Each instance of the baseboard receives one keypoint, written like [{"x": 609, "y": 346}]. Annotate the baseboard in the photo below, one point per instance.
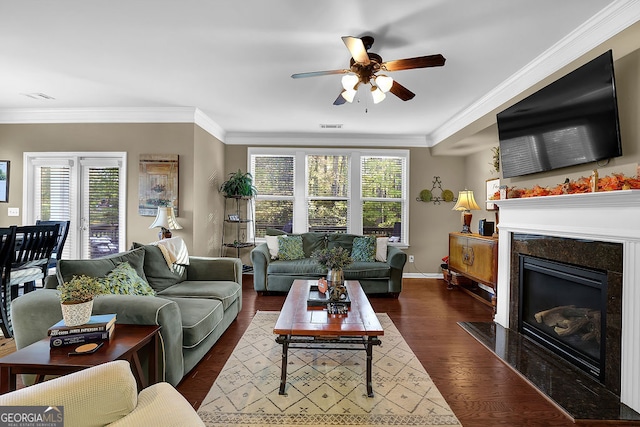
[{"x": 422, "y": 275}]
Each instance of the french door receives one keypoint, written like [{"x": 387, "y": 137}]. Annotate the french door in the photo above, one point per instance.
[{"x": 87, "y": 189}]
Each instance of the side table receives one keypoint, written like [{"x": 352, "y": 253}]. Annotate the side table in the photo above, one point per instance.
[{"x": 126, "y": 344}]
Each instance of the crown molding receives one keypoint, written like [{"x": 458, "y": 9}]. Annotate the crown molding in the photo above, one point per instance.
[
  {"x": 112, "y": 115},
  {"x": 330, "y": 140},
  {"x": 601, "y": 27}
]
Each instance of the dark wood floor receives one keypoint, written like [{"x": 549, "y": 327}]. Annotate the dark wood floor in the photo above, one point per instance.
[{"x": 481, "y": 390}]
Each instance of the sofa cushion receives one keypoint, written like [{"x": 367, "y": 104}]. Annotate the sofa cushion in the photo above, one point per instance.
[
  {"x": 344, "y": 240},
  {"x": 364, "y": 248},
  {"x": 381, "y": 249},
  {"x": 224, "y": 291},
  {"x": 290, "y": 247},
  {"x": 272, "y": 244},
  {"x": 124, "y": 280},
  {"x": 199, "y": 318},
  {"x": 100, "y": 267},
  {"x": 298, "y": 267},
  {"x": 313, "y": 241},
  {"x": 367, "y": 270},
  {"x": 156, "y": 270}
]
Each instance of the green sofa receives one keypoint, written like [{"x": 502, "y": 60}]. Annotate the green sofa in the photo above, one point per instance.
[
  {"x": 275, "y": 275},
  {"x": 193, "y": 307}
]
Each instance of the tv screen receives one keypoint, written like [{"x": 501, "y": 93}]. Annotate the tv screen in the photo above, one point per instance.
[{"x": 572, "y": 121}]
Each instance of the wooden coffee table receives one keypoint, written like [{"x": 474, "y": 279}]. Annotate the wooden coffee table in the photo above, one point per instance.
[
  {"x": 39, "y": 359},
  {"x": 302, "y": 327}
]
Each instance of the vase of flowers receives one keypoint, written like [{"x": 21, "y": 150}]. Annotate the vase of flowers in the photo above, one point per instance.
[
  {"x": 76, "y": 299},
  {"x": 334, "y": 260}
]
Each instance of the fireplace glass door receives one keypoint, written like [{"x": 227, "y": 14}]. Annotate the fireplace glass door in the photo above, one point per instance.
[{"x": 563, "y": 307}]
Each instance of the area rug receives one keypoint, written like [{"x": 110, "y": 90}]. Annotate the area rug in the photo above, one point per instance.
[{"x": 324, "y": 387}]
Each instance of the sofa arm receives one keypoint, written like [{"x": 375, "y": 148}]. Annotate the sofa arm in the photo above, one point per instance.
[
  {"x": 210, "y": 268},
  {"x": 95, "y": 396},
  {"x": 396, "y": 258},
  {"x": 33, "y": 313},
  {"x": 160, "y": 405},
  {"x": 260, "y": 258}
]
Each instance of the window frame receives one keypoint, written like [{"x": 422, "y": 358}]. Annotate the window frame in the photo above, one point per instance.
[{"x": 300, "y": 206}]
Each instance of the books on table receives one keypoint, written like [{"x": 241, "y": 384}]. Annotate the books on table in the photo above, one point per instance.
[{"x": 99, "y": 328}]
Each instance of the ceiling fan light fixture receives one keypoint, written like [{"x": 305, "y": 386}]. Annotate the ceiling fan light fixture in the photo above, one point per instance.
[
  {"x": 384, "y": 83},
  {"x": 349, "y": 81},
  {"x": 377, "y": 94}
]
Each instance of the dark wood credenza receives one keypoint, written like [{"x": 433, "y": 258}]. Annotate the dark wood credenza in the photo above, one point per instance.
[{"x": 474, "y": 257}]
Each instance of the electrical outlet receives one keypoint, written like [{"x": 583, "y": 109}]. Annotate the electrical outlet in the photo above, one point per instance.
[{"x": 411, "y": 258}]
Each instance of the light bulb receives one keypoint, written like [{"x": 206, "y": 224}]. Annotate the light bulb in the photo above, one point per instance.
[
  {"x": 349, "y": 81},
  {"x": 384, "y": 83}
]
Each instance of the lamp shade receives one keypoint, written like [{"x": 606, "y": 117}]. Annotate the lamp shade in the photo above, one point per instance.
[
  {"x": 165, "y": 218},
  {"x": 349, "y": 81},
  {"x": 466, "y": 201},
  {"x": 377, "y": 94},
  {"x": 384, "y": 83}
]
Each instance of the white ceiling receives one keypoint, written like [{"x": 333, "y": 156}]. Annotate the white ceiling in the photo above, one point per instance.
[{"x": 231, "y": 61}]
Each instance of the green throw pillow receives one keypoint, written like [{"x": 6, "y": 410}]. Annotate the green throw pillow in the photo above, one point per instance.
[
  {"x": 290, "y": 247},
  {"x": 364, "y": 249},
  {"x": 124, "y": 280}
]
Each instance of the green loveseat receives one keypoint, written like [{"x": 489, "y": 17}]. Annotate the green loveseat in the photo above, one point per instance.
[
  {"x": 193, "y": 308},
  {"x": 375, "y": 277}
]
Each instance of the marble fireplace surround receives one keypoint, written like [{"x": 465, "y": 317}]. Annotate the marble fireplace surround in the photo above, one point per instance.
[{"x": 605, "y": 216}]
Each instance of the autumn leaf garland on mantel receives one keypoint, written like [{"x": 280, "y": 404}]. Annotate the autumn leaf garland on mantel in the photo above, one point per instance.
[{"x": 582, "y": 185}]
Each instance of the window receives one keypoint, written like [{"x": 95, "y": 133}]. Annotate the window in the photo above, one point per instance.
[
  {"x": 84, "y": 188},
  {"x": 359, "y": 192}
]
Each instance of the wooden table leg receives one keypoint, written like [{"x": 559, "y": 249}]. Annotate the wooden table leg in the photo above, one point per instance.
[{"x": 7, "y": 380}]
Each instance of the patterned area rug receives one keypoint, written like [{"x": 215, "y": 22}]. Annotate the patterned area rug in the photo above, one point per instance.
[{"x": 324, "y": 387}]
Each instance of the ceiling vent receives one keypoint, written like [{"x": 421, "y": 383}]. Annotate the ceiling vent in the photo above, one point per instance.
[
  {"x": 39, "y": 96},
  {"x": 330, "y": 126}
]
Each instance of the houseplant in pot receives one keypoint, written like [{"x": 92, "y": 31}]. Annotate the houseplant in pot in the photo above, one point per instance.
[
  {"x": 334, "y": 260},
  {"x": 239, "y": 184},
  {"x": 76, "y": 298}
]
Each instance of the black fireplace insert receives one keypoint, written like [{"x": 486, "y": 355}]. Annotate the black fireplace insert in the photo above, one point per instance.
[{"x": 563, "y": 308}]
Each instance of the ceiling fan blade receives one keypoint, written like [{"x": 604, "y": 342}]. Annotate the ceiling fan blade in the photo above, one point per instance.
[
  {"x": 357, "y": 49},
  {"x": 418, "y": 62},
  {"x": 318, "y": 73},
  {"x": 339, "y": 100},
  {"x": 401, "y": 92}
]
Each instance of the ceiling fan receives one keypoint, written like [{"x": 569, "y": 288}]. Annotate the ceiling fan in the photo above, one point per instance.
[{"x": 365, "y": 65}]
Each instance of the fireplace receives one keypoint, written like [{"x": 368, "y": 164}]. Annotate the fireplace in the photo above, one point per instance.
[
  {"x": 597, "y": 229},
  {"x": 563, "y": 308}
]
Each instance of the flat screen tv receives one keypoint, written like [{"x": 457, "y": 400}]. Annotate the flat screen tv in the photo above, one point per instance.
[{"x": 572, "y": 121}]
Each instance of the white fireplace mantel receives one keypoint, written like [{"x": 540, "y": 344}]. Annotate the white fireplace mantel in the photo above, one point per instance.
[{"x": 612, "y": 216}]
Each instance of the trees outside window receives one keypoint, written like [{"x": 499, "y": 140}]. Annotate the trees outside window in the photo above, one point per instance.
[{"x": 359, "y": 192}]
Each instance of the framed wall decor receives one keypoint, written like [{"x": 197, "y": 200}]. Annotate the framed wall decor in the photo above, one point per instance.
[
  {"x": 4, "y": 180},
  {"x": 158, "y": 183},
  {"x": 493, "y": 186}
]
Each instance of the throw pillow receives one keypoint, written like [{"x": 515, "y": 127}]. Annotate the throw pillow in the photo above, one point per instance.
[
  {"x": 290, "y": 247},
  {"x": 272, "y": 243},
  {"x": 381, "y": 248},
  {"x": 364, "y": 249},
  {"x": 124, "y": 280}
]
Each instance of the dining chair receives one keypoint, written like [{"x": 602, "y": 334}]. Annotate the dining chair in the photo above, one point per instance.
[
  {"x": 56, "y": 254},
  {"x": 30, "y": 251},
  {"x": 7, "y": 248}
]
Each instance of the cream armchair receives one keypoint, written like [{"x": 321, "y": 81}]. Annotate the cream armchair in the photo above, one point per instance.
[{"x": 106, "y": 395}]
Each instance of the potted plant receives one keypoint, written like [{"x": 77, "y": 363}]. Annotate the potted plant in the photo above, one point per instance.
[
  {"x": 334, "y": 260},
  {"x": 239, "y": 184},
  {"x": 76, "y": 298}
]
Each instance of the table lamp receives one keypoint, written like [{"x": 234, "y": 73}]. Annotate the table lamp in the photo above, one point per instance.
[
  {"x": 166, "y": 221},
  {"x": 466, "y": 203}
]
